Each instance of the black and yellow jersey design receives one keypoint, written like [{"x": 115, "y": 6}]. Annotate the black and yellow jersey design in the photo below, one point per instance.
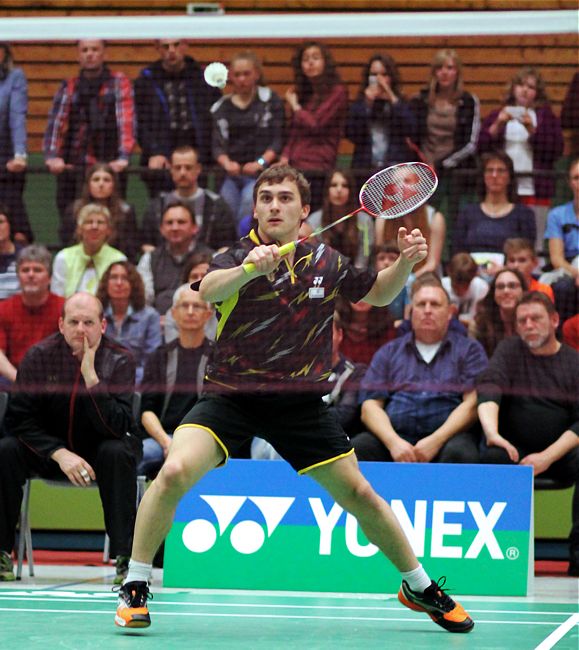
[{"x": 276, "y": 332}]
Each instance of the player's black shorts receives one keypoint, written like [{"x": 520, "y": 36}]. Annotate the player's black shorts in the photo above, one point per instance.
[{"x": 301, "y": 427}]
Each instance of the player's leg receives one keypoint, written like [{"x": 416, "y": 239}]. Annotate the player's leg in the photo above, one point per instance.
[
  {"x": 346, "y": 484},
  {"x": 193, "y": 452},
  {"x": 350, "y": 489}
]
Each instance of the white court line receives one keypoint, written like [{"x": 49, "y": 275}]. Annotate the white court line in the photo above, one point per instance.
[
  {"x": 265, "y": 616},
  {"x": 398, "y": 608},
  {"x": 107, "y": 600},
  {"x": 559, "y": 633}
]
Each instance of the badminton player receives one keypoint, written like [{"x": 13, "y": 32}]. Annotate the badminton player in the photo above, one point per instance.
[{"x": 273, "y": 355}]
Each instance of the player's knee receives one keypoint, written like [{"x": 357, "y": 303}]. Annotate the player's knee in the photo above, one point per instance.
[
  {"x": 173, "y": 476},
  {"x": 360, "y": 493}
]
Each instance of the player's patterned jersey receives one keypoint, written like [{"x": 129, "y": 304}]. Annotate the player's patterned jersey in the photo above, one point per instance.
[{"x": 275, "y": 333}]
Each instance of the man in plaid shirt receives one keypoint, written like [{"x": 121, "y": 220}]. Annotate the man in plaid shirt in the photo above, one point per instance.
[{"x": 92, "y": 119}]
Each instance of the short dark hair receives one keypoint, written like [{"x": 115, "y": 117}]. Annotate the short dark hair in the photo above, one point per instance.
[
  {"x": 518, "y": 244},
  {"x": 177, "y": 203},
  {"x": 429, "y": 279},
  {"x": 279, "y": 173},
  {"x": 462, "y": 268},
  {"x": 540, "y": 298}
]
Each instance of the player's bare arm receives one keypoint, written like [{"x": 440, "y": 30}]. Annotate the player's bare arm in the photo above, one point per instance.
[{"x": 390, "y": 282}]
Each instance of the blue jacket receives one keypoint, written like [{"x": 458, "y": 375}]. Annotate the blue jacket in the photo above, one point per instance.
[{"x": 13, "y": 109}]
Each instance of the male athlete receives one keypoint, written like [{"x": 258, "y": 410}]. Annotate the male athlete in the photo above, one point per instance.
[{"x": 272, "y": 359}]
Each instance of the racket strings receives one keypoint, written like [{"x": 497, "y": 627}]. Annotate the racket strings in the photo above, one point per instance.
[{"x": 398, "y": 190}]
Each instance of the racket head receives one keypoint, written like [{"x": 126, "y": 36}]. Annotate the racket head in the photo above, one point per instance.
[{"x": 397, "y": 190}]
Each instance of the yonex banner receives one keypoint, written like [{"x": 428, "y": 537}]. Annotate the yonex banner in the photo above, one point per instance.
[{"x": 258, "y": 525}]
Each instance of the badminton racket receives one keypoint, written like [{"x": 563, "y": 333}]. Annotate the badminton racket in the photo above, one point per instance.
[{"x": 389, "y": 194}]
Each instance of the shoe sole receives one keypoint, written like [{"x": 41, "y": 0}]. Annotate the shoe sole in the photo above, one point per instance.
[
  {"x": 467, "y": 626},
  {"x": 135, "y": 623}
]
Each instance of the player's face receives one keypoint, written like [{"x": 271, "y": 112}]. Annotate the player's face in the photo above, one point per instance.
[
  {"x": 524, "y": 261},
  {"x": 81, "y": 320},
  {"x": 172, "y": 53},
  {"x": 91, "y": 55},
  {"x": 177, "y": 226},
  {"x": 34, "y": 278},
  {"x": 508, "y": 290},
  {"x": 279, "y": 211},
  {"x": 244, "y": 76},
  {"x": 191, "y": 313},
  {"x": 535, "y": 325},
  {"x": 525, "y": 92},
  {"x": 119, "y": 285},
  {"x": 185, "y": 170},
  {"x": 496, "y": 176},
  {"x": 339, "y": 190},
  {"x": 447, "y": 74},
  {"x": 431, "y": 312},
  {"x": 313, "y": 63},
  {"x": 101, "y": 185}
]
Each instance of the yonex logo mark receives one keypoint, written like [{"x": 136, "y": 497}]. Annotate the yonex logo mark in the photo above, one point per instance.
[{"x": 246, "y": 536}]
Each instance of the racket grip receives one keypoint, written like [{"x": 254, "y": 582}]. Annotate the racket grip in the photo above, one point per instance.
[{"x": 286, "y": 249}]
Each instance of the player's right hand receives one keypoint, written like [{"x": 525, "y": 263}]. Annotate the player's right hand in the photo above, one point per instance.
[{"x": 265, "y": 258}]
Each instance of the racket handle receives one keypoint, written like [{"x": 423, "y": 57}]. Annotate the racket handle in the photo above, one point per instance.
[{"x": 286, "y": 249}]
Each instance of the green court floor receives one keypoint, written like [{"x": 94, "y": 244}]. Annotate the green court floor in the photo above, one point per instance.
[{"x": 72, "y": 617}]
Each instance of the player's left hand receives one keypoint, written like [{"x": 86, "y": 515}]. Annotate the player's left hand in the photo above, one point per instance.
[
  {"x": 538, "y": 462},
  {"x": 413, "y": 247}
]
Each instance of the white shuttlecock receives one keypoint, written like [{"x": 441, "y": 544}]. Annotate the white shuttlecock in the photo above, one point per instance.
[{"x": 216, "y": 75}]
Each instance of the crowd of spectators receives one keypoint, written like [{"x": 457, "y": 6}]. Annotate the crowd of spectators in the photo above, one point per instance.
[{"x": 482, "y": 317}]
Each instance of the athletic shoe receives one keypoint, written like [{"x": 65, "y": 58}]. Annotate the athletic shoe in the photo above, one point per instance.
[
  {"x": 6, "y": 567},
  {"x": 122, "y": 567},
  {"x": 438, "y": 605},
  {"x": 132, "y": 605}
]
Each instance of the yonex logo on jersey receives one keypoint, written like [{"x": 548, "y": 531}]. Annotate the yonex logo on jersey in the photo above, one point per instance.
[
  {"x": 317, "y": 291},
  {"x": 246, "y": 536}
]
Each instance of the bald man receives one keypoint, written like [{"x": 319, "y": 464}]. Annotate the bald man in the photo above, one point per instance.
[{"x": 70, "y": 416}]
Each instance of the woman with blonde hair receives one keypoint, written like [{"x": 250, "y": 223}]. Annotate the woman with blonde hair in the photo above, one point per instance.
[
  {"x": 80, "y": 267},
  {"x": 448, "y": 120}
]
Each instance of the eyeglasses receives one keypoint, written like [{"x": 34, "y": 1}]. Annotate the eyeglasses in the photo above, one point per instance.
[
  {"x": 499, "y": 286},
  {"x": 186, "y": 306}
]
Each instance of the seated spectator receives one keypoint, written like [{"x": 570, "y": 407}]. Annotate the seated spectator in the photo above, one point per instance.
[
  {"x": 212, "y": 215},
  {"x": 13, "y": 153},
  {"x": 247, "y": 132},
  {"x": 519, "y": 254},
  {"x": 494, "y": 318},
  {"x": 380, "y": 121},
  {"x": 130, "y": 321},
  {"x": 173, "y": 379},
  {"x": 172, "y": 101},
  {"x": 418, "y": 398},
  {"x": 527, "y": 403},
  {"x": 31, "y": 315},
  {"x": 353, "y": 237},
  {"x": 70, "y": 417},
  {"x": 483, "y": 227},
  {"x": 562, "y": 232},
  {"x": 80, "y": 267},
  {"x": 448, "y": 122},
  {"x": 528, "y": 131},
  {"x": 8, "y": 253},
  {"x": 318, "y": 103},
  {"x": 570, "y": 331},
  {"x": 342, "y": 398},
  {"x": 432, "y": 225},
  {"x": 162, "y": 268},
  {"x": 464, "y": 287},
  {"x": 101, "y": 186},
  {"x": 194, "y": 271}
]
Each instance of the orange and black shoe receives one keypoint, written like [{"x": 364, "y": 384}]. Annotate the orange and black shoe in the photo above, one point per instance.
[
  {"x": 441, "y": 608},
  {"x": 132, "y": 605}
]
